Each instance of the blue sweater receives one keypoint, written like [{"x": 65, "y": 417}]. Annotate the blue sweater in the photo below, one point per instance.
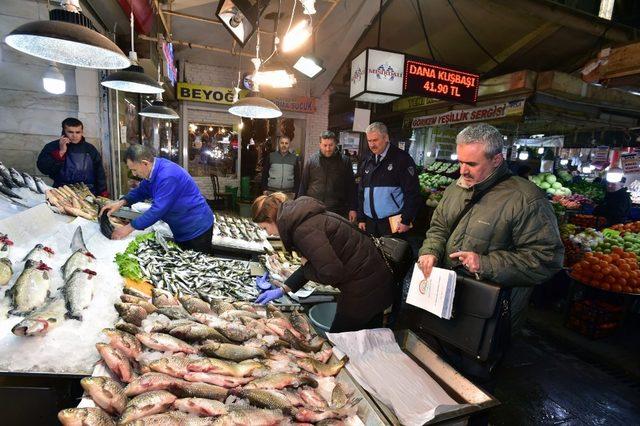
[{"x": 176, "y": 200}]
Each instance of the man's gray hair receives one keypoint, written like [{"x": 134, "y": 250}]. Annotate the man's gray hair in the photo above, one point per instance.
[
  {"x": 137, "y": 153},
  {"x": 484, "y": 134},
  {"x": 377, "y": 127}
]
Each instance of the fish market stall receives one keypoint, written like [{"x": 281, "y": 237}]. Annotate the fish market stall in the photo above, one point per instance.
[{"x": 238, "y": 235}]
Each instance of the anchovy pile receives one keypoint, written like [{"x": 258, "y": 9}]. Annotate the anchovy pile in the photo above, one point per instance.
[
  {"x": 196, "y": 274},
  {"x": 238, "y": 228},
  {"x": 219, "y": 363}
]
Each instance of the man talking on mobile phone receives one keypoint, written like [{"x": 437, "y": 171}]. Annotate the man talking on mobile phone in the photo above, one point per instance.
[{"x": 71, "y": 159}]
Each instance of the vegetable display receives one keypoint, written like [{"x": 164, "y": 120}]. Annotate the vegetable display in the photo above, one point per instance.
[
  {"x": 128, "y": 265},
  {"x": 549, "y": 182}
]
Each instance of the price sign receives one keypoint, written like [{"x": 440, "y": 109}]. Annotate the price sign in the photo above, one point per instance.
[
  {"x": 630, "y": 163},
  {"x": 436, "y": 81}
]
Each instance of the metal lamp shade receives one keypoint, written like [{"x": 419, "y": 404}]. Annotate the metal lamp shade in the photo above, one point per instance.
[
  {"x": 255, "y": 107},
  {"x": 132, "y": 79},
  {"x": 158, "y": 109},
  {"x": 67, "y": 39}
]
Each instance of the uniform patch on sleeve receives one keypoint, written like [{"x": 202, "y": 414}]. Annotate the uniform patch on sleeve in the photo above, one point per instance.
[{"x": 411, "y": 170}]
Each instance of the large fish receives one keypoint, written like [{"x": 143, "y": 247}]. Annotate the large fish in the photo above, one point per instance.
[
  {"x": 162, "y": 298},
  {"x": 217, "y": 379},
  {"x": 81, "y": 257},
  {"x": 318, "y": 368},
  {"x": 172, "y": 418},
  {"x": 165, "y": 342},
  {"x": 125, "y": 342},
  {"x": 146, "y": 404},
  {"x": 175, "y": 366},
  {"x": 117, "y": 362},
  {"x": 41, "y": 320},
  {"x": 85, "y": 416},
  {"x": 131, "y": 313},
  {"x": 6, "y": 190},
  {"x": 151, "y": 382},
  {"x": 227, "y": 368},
  {"x": 281, "y": 381},
  {"x": 232, "y": 352},
  {"x": 30, "y": 182},
  {"x": 39, "y": 253},
  {"x": 200, "y": 406},
  {"x": 6, "y": 176},
  {"x": 194, "y": 332},
  {"x": 236, "y": 332},
  {"x": 31, "y": 288},
  {"x": 185, "y": 389},
  {"x": 265, "y": 398},
  {"x": 78, "y": 292},
  {"x": 106, "y": 393},
  {"x": 17, "y": 177},
  {"x": 42, "y": 187},
  {"x": 194, "y": 304},
  {"x": 251, "y": 416},
  {"x": 148, "y": 306},
  {"x": 6, "y": 271}
]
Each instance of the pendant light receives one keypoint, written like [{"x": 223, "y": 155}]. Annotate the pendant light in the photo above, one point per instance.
[
  {"x": 132, "y": 79},
  {"x": 158, "y": 109},
  {"x": 53, "y": 80},
  {"x": 68, "y": 38}
]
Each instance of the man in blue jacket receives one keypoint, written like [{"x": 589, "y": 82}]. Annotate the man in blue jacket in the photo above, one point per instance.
[
  {"x": 71, "y": 159},
  {"x": 176, "y": 200},
  {"x": 388, "y": 185}
]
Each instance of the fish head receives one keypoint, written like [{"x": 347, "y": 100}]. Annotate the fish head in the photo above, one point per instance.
[
  {"x": 72, "y": 416},
  {"x": 6, "y": 261},
  {"x": 30, "y": 327}
]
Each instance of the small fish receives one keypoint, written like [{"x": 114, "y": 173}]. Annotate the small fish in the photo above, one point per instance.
[
  {"x": 146, "y": 404},
  {"x": 106, "y": 393},
  {"x": 194, "y": 304},
  {"x": 186, "y": 389},
  {"x": 325, "y": 370},
  {"x": 6, "y": 271},
  {"x": 151, "y": 382},
  {"x": 78, "y": 292},
  {"x": 175, "y": 366},
  {"x": 30, "y": 182},
  {"x": 200, "y": 406},
  {"x": 264, "y": 398},
  {"x": 251, "y": 416},
  {"x": 17, "y": 177},
  {"x": 281, "y": 381},
  {"x": 31, "y": 288},
  {"x": 125, "y": 342},
  {"x": 117, "y": 362},
  {"x": 232, "y": 352},
  {"x": 217, "y": 379},
  {"x": 42, "y": 320},
  {"x": 40, "y": 185},
  {"x": 131, "y": 313},
  {"x": 165, "y": 342},
  {"x": 85, "y": 416},
  {"x": 39, "y": 253},
  {"x": 194, "y": 332},
  {"x": 227, "y": 368}
]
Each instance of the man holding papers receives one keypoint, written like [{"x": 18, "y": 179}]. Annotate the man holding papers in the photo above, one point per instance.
[{"x": 507, "y": 235}]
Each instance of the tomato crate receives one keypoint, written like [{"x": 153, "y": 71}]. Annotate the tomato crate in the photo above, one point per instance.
[{"x": 595, "y": 319}]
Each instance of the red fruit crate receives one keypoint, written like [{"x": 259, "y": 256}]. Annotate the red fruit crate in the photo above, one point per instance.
[{"x": 594, "y": 319}]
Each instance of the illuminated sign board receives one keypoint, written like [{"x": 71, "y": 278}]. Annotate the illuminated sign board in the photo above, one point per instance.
[
  {"x": 208, "y": 94},
  {"x": 424, "y": 78},
  {"x": 171, "y": 70}
]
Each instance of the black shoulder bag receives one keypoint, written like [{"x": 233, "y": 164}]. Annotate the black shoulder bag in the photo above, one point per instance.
[{"x": 481, "y": 322}]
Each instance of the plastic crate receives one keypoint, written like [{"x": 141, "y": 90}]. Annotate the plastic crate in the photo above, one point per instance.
[{"x": 595, "y": 319}]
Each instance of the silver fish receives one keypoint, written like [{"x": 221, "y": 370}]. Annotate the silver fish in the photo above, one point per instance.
[
  {"x": 78, "y": 260},
  {"x": 17, "y": 177},
  {"x": 31, "y": 288},
  {"x": 85, "y": 416},
  {"x": 6, "y": 271},
  {"x": 39, "y": 253},
  {"x": 41, "y": 320},
  {"x": 40, "y": 185},
  {"x": 106, "y": 393},
  {"x": 232, "y": 352},
  {"x": 30, "y": 182},
  {"x": 78, "y": 292},
  {"x": 146, "y": 404}
]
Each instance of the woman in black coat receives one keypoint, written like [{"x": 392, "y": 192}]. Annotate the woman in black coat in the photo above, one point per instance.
[{"x": 337, "y": 254}]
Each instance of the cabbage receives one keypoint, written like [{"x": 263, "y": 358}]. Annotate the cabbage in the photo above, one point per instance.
[
  {"x": 556, "y": 185},
  {"x": 544, "y": 185},
  {"x": 551, "y": 178}
]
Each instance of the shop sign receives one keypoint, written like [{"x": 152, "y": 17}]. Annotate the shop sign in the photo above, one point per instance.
[
  {"x": 212, "y": 95},
  {"x": 630, "y": 163},
  {"x": 171, "y": 70},
  {"x": 488, "y": 112},
  {"x": 296, "y": 104},
  {"x": 425, "y": 78},
  {"x": 600, "y": 155},
  {"x": 376, "y": 76},
  {"x": 412, "y": 102}
]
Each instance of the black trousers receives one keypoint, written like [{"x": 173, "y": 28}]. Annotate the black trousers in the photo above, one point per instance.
[
  {"x": 346, "y": 321},
  {"x": 377, "y": 227},
  {"x": 201, "y": 243}
]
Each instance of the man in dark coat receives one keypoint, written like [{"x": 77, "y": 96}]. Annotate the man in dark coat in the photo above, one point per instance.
[
  {"x": 328, "y": 177},
  {"x": 616, "y": 205},
  {"x": 71, "y": 159},
  {"x": 337, "y": 254}
]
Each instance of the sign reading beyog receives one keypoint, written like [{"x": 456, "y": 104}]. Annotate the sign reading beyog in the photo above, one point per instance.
[
  {"x": 212, "y": 95},
  {"x": 424, "y": 78}
]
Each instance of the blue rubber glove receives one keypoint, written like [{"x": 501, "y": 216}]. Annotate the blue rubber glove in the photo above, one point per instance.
[
  {"x": 269, "y": 296},
  {"x": 263, "y": 282}
]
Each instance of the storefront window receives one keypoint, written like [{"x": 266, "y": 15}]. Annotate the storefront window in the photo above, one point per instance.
[{"x": 213, "y": 150}]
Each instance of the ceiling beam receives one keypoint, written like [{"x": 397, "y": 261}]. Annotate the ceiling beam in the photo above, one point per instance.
[
  {"x": 199, "y": 46},
  {"x": 203, "y": 19}
]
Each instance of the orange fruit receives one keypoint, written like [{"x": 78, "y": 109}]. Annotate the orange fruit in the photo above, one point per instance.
[{"x": 616, "y": 287}]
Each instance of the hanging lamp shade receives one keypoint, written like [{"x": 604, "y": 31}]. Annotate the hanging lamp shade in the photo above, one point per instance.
[
  {"x": 68, "y": 38},
  {"x": 132, "y": 79},
  {"x": 158, "y": 109},
  {"x": 255, "y": 107}
]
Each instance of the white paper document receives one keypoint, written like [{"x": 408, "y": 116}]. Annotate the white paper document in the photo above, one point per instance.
[
  {"x": 378, "y": 364},
  {"x": 434, "y": 294}
]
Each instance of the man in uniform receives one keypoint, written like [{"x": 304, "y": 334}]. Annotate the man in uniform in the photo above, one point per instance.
[{"x": 388, "y": 185}]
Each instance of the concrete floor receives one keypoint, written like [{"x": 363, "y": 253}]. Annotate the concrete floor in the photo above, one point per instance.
[{"x": 547, "y": 380}]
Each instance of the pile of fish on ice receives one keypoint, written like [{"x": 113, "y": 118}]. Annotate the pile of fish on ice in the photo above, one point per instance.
[
  {"x": 188, "y": 362},
  {"x": 20, "y": 188},
  {"x": 239, "y": 233}
]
